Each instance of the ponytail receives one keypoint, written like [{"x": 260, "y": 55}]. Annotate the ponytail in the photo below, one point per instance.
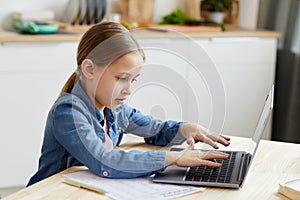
[{"x": 69, "y": 84}]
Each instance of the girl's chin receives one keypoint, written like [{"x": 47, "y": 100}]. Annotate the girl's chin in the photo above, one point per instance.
[{"x": 115, "y": 106}]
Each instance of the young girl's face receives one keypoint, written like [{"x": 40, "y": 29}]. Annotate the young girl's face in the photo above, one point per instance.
[{"x": 115, "y": 82}]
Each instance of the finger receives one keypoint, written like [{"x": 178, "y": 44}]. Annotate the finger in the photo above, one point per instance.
[
  {"x": 191, "y": 143},
  {"x": 210, "y": 163},
  {"x": 213, "y": 155},
  {"x": 207, "y": 138},
  {"x": 220, "y": 139},
  {"x": 225, "y": 140},
  {"x": 209, "y": 141},
  {"x": 225, "y": 137}
]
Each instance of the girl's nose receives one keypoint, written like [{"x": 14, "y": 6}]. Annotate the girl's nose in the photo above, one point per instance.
[{"x": 127, "y": 89}]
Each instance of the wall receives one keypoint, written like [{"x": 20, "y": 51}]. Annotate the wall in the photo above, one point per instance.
[
  {"x": 7, "y": 7},
  {"x": 248, "y": 14},
  {"x": 284, "y": 16}
]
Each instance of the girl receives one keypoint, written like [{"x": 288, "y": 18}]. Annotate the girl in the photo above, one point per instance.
[{"x": 90, "y": 116}]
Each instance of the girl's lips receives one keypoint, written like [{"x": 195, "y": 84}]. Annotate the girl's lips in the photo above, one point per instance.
[{"x": 120, "y": 101}]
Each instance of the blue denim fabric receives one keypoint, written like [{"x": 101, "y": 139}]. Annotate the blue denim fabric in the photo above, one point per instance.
[{"x": 74, "y": 136}]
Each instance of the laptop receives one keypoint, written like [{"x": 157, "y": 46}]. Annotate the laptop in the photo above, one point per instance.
[{"x": 233, "y": 170}]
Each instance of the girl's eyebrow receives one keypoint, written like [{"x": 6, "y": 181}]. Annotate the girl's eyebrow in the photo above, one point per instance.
[
  {"x": 128, "y": 74},
  {"x": 124, "y": 73}
]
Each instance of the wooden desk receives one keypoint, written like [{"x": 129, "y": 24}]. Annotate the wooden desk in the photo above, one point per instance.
[{"x": 275, "y": 162}]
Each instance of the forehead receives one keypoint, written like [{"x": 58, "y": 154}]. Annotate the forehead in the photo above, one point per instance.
[
  {"x": 112, "y": 48},
  {"x": 129, "y": 63}
]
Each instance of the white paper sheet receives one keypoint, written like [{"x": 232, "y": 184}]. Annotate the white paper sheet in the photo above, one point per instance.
[
  {"x": 295, "y": 184},
  {"x": 128, "y": 189}
]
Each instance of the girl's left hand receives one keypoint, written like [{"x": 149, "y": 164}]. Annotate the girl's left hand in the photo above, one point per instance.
[{"x": 195, "y": 133}]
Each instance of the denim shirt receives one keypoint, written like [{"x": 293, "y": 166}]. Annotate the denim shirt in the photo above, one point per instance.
[{"x": 74, "y": 136}]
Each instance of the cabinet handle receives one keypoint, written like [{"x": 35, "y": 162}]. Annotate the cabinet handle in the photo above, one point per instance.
[
  {"x": 235, "y": 39},
  {"x": 29, "y": 44},
  {"x": 146, "y": 42}
]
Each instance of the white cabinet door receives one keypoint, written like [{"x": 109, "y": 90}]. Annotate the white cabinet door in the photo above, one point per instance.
[
  {"x": 180, "y": 76},
  {"x": 161, "y": 89},
  {"x": 31, "y": 76},
  {"x": 247, "y": 68}
]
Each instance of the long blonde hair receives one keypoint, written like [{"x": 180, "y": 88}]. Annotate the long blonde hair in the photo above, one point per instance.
[{"x": 89, "y": 41}]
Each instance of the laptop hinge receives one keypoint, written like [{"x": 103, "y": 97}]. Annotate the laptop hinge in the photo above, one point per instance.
[{"x": 244, "y": 167}]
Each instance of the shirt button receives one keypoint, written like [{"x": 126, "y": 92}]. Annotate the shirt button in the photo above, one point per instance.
[{"x": 105, "y": 173}]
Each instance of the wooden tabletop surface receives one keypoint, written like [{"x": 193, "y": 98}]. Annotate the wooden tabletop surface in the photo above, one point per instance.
[{"x": 274, "y": 163}]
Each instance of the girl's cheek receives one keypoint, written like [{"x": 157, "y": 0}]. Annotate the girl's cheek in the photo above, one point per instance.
[{"x": 117, "y": 88}]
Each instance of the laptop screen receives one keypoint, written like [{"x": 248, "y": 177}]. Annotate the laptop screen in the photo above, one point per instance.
[{"x": 262, "y": 123}]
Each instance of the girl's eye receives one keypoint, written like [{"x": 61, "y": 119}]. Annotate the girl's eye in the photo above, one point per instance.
[
  {"x": 126, "y": 79},
  {"x": 121, "y": 78}
]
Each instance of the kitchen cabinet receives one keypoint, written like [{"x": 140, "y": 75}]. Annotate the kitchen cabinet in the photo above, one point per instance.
[
  {"x": 31, "y": 76},
  {"x": 160, "y": 90},
  {"x": 247, "y": 68},
  {"x": 170, "y": 87},
  {"x": 179, "y": 85}
]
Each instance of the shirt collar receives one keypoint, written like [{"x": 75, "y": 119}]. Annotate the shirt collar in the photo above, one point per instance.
[{"x": 108, "y": 113}]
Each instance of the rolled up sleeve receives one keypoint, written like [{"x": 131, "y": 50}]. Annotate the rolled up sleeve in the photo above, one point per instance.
[{"x": 75, "y": 132}]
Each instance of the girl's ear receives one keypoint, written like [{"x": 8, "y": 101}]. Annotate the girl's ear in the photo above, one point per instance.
[{"x": 88, "y": 69}]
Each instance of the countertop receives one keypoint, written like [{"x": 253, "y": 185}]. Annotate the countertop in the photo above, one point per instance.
[{"x": 12, "y": 36}]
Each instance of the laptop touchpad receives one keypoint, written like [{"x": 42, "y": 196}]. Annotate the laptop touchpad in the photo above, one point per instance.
[{"x": 173, "y": 173}]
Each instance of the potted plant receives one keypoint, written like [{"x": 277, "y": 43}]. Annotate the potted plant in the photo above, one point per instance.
[{"x": 214, "y": 9}]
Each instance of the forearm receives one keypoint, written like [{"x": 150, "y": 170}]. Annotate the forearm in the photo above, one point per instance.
[
  {"x": 153, "y": 130},
  {"x": 120, "y": 164}
]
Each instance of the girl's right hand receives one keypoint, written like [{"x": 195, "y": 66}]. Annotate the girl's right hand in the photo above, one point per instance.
[{"x": 189, "y": 158}]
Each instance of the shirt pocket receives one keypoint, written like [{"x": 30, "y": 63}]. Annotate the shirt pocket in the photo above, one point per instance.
[{"x": 122, "y": 124}]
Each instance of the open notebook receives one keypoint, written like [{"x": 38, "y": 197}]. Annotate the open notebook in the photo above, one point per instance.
[{"x": 127, "y": 189}]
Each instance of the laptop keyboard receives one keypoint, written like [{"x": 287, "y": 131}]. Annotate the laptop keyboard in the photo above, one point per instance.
[{"x": 220, "y": 174}]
